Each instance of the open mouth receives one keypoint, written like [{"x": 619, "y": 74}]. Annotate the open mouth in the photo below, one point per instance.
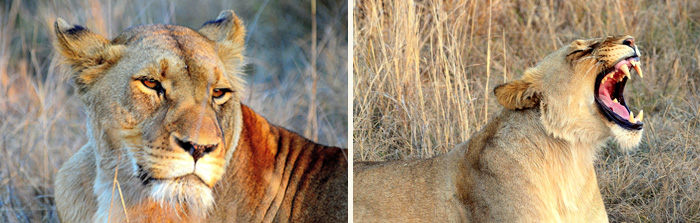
[{"x": 609, "y": 86}]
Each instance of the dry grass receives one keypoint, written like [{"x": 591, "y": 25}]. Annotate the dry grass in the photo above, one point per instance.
[
  {"x": 424, "y": 70},
  {"x": 42, "y": 122}
]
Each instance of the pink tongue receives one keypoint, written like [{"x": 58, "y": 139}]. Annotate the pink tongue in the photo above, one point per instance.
[{"x": 604, "y": 93}]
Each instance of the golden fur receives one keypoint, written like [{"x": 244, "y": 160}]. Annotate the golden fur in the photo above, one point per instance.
[
  {"x": 164, "y": 116},
  {"x": 532, "y": 163}
]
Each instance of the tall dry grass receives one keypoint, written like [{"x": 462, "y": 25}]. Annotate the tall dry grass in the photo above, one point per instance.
[
  {"x": 424, "y": 72},
  {"x": 42, "y": 122}
]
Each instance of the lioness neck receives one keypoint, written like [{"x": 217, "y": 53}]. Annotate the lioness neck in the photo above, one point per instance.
[
  {"x": 271, "y": 167},
  {"x": 542, "y": 171}
]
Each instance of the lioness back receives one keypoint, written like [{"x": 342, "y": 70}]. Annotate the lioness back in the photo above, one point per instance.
[
  {"x": 170, "y": 141},
  {"x": 533, "y": 162},
  {"x": 382, "y": 193}
]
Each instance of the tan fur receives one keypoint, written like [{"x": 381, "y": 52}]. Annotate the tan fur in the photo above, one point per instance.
[
  {"x": 532, "y": 163},
  {"x": 245, "y": 170}
]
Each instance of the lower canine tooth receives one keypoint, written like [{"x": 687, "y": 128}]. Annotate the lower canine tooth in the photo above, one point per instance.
[
  {"x": 631, "y": 118},
  {"x": 615, "y": 100},
  {"x": 640, "y": 117}
]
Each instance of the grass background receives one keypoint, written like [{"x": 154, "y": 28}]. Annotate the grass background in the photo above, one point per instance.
[
  {"x": 424, "y": 72},
  {"x": 42, "y": 122}
]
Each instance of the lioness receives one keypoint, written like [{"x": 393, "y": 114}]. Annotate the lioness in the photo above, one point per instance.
[
  {"x": 169, "y": 140},
  {"x": 533, "y": 162}
]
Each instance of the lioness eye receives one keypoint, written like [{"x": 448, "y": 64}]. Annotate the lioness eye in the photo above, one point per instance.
[
  {"x": 219, "y": 92},
  {"x": 153, "y": 84},
  {"x": 150, "y": 83}
]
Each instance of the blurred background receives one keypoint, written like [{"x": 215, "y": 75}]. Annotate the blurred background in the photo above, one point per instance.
[
  {"x": 424, "y": 73},
  {"x": 42, "y": 122}
]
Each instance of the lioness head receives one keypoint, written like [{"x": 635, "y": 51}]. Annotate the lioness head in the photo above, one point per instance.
[
  {"x": 579, "y": 90},
  {"x": 163, "y": 107}
]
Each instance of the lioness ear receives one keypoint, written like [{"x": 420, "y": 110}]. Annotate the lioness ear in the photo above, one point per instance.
[
  {"x": 517, "y": 95},
  {"x": 228, "y": 32},
  {"x": 88, "y": 53}
]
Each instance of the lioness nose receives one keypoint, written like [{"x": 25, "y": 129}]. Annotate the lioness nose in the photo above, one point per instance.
[
  {"x": 628, "y": 42},
  {"x": 196, "y": 151}
]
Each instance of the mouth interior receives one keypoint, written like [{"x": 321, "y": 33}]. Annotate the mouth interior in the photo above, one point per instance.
[{"x": 610, "y": 85}]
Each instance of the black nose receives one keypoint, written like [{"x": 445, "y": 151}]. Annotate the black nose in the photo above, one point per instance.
[
  {"x": 628, "y": 42},
  {"x": 196, "y": 151}
]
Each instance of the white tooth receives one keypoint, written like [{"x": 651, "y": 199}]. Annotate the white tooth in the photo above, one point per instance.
[
  {"x": 640, "y": 117},
  {"x": 631, "y": 118},
  {"x": 639, "y": 69},
  {"x": 626, "y": 71},
  {"x": 611, "y": 75},
  {"x": 615, "y": 100}
]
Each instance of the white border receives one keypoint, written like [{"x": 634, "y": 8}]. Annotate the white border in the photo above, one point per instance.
[{"x": 351, "y": 47}]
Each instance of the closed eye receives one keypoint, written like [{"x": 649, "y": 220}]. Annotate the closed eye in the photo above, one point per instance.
[
  {"x": 579, "y": 51},
  {"x": 578, "y": 54}
]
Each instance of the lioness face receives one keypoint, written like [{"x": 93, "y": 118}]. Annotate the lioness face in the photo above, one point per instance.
[
  {"x": 580, "y": 91},
  {"x": 177, "y": 123},
  {"x": 163, "y": 105},
  {"x": 617, "y": 59}
]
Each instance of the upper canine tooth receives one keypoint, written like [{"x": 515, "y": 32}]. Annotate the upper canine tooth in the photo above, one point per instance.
[
  {"x": 639, "y": 70},
  {"x": 626, "y": 71},
  {"x": 640, "y": 117}
]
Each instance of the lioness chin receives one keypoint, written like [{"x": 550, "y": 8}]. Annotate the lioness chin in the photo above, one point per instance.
[
  {"x": 169, "y": 140},
  {"x": 533, "y": 162}
]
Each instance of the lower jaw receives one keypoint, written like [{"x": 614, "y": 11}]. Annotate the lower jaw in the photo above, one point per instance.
[
  {"x": 608, "y": 115},
  {"x": 626, "y": 139}
]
